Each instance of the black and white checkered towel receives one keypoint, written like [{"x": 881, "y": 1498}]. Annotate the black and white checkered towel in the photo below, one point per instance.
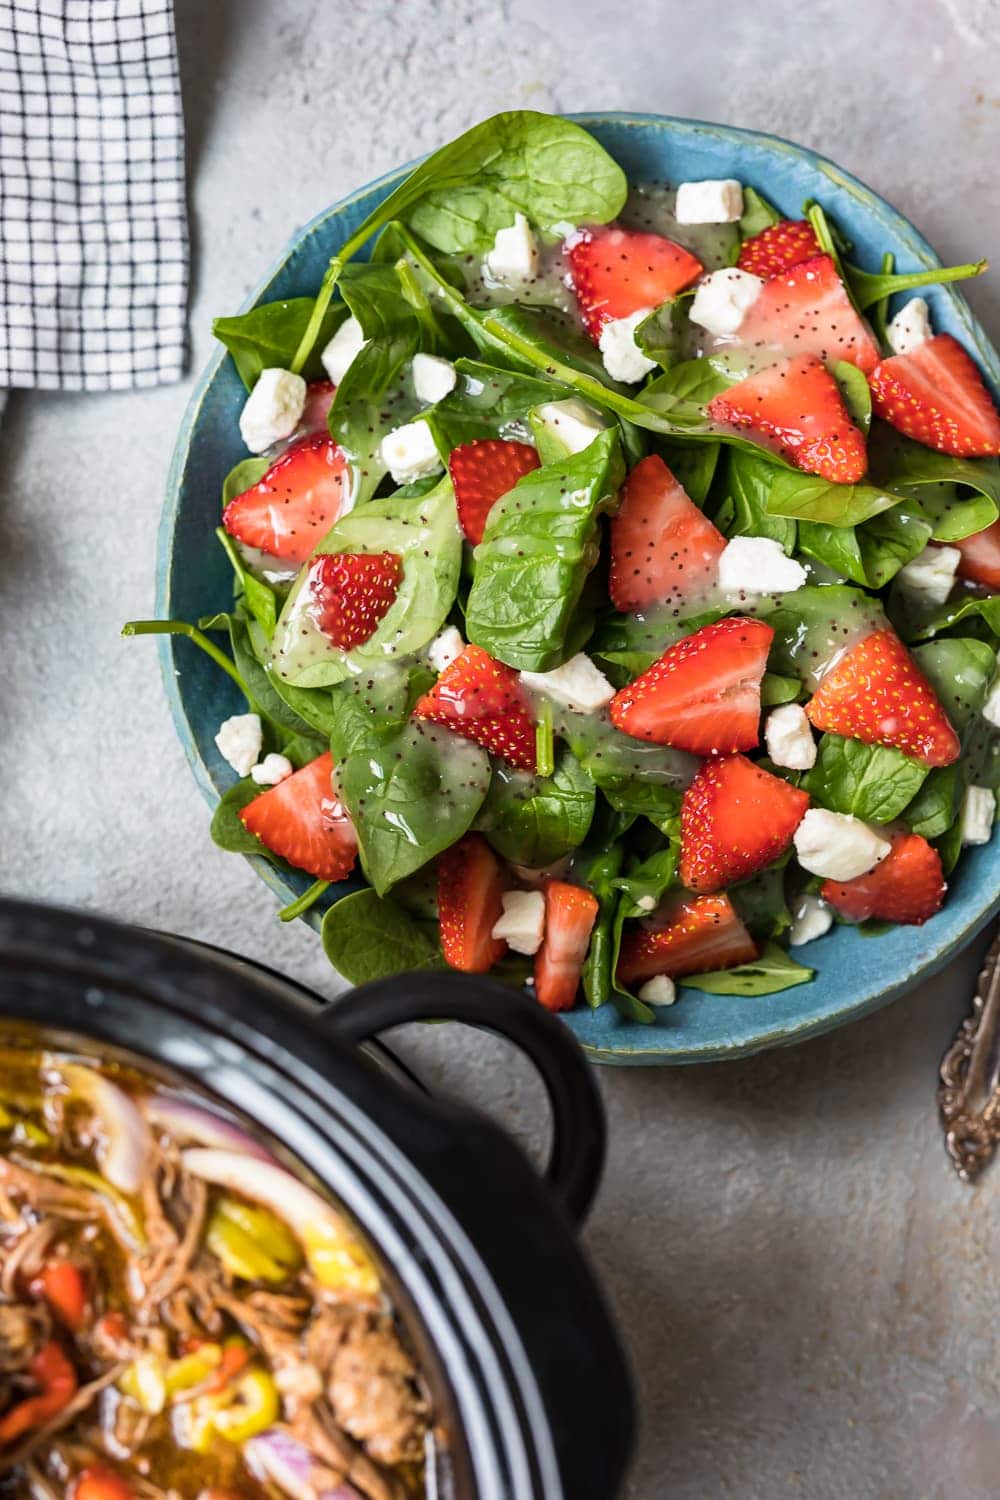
[{"x": 93, "y": 232}]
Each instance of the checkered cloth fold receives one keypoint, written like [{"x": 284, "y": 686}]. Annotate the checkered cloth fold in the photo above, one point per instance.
[{"x": 93, "y": 231}]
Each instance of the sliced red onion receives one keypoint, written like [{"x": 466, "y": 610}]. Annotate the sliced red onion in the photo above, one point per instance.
[
  {"x": 123, "y": 1153},
  {"x": 188, "y": 1121},
  {"x": 294, "y": 1467},
  {"x": 336, "y": 1256}
]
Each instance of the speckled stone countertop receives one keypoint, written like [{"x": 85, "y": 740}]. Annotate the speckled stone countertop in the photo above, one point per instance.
[{"x": 811, "y": 1299}]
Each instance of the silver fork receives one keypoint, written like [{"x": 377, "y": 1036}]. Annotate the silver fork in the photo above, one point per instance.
[{"x": 969, "y": 1091}]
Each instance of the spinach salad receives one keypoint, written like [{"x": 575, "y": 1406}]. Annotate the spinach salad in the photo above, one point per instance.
[{"x": 616, "y": 582}]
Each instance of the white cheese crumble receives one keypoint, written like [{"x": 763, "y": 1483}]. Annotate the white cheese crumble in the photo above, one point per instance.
[
  {"x": 272, "y": 769},
  {"x": 991, "y": 707},
  {"x": 343, "y": 349},
  {"x": 811, "y": 918},
  {"x": 930, "y": 575},
  {"x": 514, "y": 257},
  {"x": 758, "y": 565},
  {"x": 660, "y": 990},
  {"x": 623, "y": 359},
  {"x": 837, "y": 846},
  {"x": 445, "y": 648},
  {"x": 433, "y": 378},
  {"x": 979, "y": 808},
  {"x": 910, "y": 328},
  {"x": 721, "y": 300},
  {"x": 410, "y": 452},
  {"x": 522, "y": 925},
  {"x": 789, "y": 738},
  {"x": 713, "y": 201},
  {"x": 273, "y": 409},
  {"x": 572, "y": 423},
  {"x": 239, "y": 740},
  {"x": 577, "y": 684}
]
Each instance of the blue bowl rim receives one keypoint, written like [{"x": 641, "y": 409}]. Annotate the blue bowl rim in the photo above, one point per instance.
[{"x": 790, "y": 1032}]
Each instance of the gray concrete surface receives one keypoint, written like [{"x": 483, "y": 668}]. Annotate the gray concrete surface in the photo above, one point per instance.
[{"x": 809, "y": 1296}]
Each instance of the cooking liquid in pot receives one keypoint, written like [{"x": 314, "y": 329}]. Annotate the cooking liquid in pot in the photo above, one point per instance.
[{"x": 180, "y": 1315}]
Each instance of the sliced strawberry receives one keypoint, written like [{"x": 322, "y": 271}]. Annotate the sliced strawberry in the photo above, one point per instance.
[
  {"x": 807, "y": 311},
  {"x": 482, "y": 700},
  {"x": 662, "y": 547},
  {"x": 570, "y": 914},
  {"x": 908, "y": 886},
  {"x": 290, "y": 510},
  {"x": 704, "y": 692},
  {"x": 350, "y": 592},
  {"x": 876, "y": 693},
  {"x": 319, "y": 399},
  {"x": 617, "y": 271},
  {"x": 302, "y": 820},
  {"x": 778, "y": 248},
  {"x": 735, "y": 819},
  {"x": 470, "y": 883},
  {"x": 481, "y": 472},
  {"x": 936, "y": 395},
  {"x": 699, "y": 934},
  {"x": 981, "y": 557},
  {"x": 797, "y": 404}
]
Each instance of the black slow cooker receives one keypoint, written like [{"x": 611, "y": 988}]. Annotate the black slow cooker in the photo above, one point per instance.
[{"x": 479, "y": 1252}]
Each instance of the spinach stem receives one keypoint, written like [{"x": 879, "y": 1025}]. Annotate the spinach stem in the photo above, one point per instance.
[
  {"x": 880, "y": 310},
  {"x": 544, "y": 746},
  {"x": 182, "y": 627},
  {"x": 308, "y": 898}
]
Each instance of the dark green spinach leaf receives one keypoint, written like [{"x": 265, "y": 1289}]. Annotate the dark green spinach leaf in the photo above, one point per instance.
[{"x": 367, "y": 937}]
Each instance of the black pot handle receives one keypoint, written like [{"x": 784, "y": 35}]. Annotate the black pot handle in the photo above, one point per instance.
[{"x": 578, "y": 1128}]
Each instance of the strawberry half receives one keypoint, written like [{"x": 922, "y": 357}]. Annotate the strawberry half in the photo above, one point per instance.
[
  {"x": 699, "y": 934},
  {"x": 319, "y": 399},
  {"x": 778, "y": 248},
  {"x": 981, "y": 557},
  {"x": 876, "y": 693},
  {"x": 936, "y": 395},
  {"x": 735, "y": 819},
  {"x": 350, "y": 592},
  {"x": 481, "y": 472},
  {"x": 617, "y": 271},
  {"x": 482, "y": 700},
  {"x": 703, "y": 694},
  {"x": 797, "y": 404},
  {"x": 470, "y": 884},
  {"x": 662, "y": 547},
  {"x": 302, "y": 820},
  {"x": 570, "y": 914},
  {"x": 907, "y": 886},
  {"x": 290, "y": 510},
  {"x": 807, "y": 311}
]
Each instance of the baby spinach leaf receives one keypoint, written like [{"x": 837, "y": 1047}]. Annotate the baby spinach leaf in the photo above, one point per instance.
[
  {"x": 304, "y": 714},
  {"x": 924, "y": 626},
  {"x": 598, "y": 871},
  {"x": 533, "y": 820},
  {"x": 268, "y": 336},
  {"x": 366, "y": 937},
  {"x": 758, "y": 214},
  {"x": 869, "y": 287},
  {"x": 243, "y": 476},
  {"x": 260, "y": 600},
  {"x": 809, "y": 497},
  {"x": 760, "y": 902},
  {"x": 228, "y": 832},
  {"x": 540, "y": 543},
  {"x": 690, "y": 384},
  {"x": 910, "y": 469},
  {"x": 489, "y": 402},
  {"x": 663, "y": 335},
  {"x": 952, "y": 511},
  {"x": 554, "y": 337},
  {"x": 638, "y": 778},
  {"x": 540, "y": 165},
  {"x": 960, "y": 671},
  {"x": 693, "y": 465},
  {"x": 871, "y": 782},
  {"x": 809, "y": 625},
  {"x": 746, "y": 484},
  {"x": 775, "y": 689},
  {"x": 423, "y": 531},
  {"x": 937, "y": 804},
  {"x": 774, "y": 970},
  {"x": 872, "y": 553},
  {"x": 641, "y": 891},
  {"x": 854, "y": 389},
  {"x": 375, "y": 297},
  {"x": 373, "y": 398}
]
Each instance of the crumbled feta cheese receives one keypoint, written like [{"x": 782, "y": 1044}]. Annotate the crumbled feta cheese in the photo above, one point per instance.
[
  {"x": 910, "y": 328},
  {"x": 789, "y": 738},
  {"x": 445, "y": 648},
  {"x": 660, "y": 990},
  {"x": 758, "y": 565},
  {"x": 239, "y": 740},
  {"x": 572, "y": 423},
  {"x": 272, "y": 769},
  {"x": 721, "y": 300},
  {"x": 514, "y": 257},
  {"x": 343, "y": 349},
  {"x": 523, "y": 922},
  {"x": 273, "y": 409},
  {"x": 433, "y": 378},
  {"x": 410, "y": 452},
  {"x": 979, "y": 808},
  {"x": 646, "y": 903},
  {"x": 837, "y": 846},
  {"x": 811, "y": 918},
  {"x": 931, "y": 574},
  {"x": 576, "y": 684},
  {"x": 991, "y": 707},
  {"x": 714, "y": 201},
  {"x": 623, "y": 359}
]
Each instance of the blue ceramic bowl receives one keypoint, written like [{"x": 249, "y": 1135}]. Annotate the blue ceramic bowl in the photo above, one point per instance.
[{"x": 855, "y": 974}]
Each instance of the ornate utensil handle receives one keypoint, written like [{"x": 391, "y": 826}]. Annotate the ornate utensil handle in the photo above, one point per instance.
[{"x": 969, "y": 1092}]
